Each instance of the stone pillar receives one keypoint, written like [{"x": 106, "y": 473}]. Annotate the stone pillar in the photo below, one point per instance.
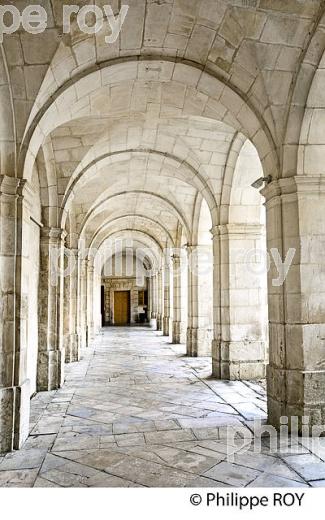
[
  {"x": 154, "y": 296},
  {"x": 82, "y": 301},
  {"x": 184, "y": 296},
  {"x": 176, "y": 332},
  {"x": 71, "y": 306},
  {"x": 166, "y": 313},
  {"x": 243, "y": 323},
  {"x": 51, "y": 356},
  {"x": 199, "y": 329},
  {"x": 90, "y": 300},
  {"x": 216, "y": 341},
  {"x": 296, "y": 371},
  {"x": 149, "y": 288},
  {"x": 159, "y": 299},
  {"x": 14, "y": 385}
]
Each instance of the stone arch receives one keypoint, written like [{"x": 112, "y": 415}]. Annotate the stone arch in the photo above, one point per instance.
[
  {"x": 144, "y": 217},
  {"x": 140, "y": 231},
  {"x": 200, "y": 283},
  {"x": 106, "y": 143},
  {"x": 8, "y": 157},
  {"x": 220, "y": 99},
  {"x": 311, "y": 151},
  {"x": 169, "y": 204},
  {"x": 243, "y": 167},
  {"x": 148, "y": 240},
  {"x": 241, "y": 297},
  {"x": 194, "y": 177},
  {"x": 308, "y": 78},
  {"x": 47, "y": 177},
  {"x": 146, "y": 251}
]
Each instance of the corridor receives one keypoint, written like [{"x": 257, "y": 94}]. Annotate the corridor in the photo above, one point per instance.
[{"x": 135, "y": 412}]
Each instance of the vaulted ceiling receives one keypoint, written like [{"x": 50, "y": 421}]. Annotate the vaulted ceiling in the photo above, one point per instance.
[{"x": 132, "y": 137}]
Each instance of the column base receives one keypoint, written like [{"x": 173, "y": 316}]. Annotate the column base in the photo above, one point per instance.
[
  {"x": 14, "y": 416},
  {"x": 176, "y": 332},
  {"x": 159, "y": 322},
  {"x": 299, "y": 396},
  {"x": 166, "y": 326},
  {"x": 198, "y": 342},
  {"x": 239, "y": 360},
  {"x": 50, "y": 370}
]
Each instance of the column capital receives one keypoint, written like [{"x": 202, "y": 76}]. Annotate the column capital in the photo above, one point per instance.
[
  {"x": 241, "y": 229},
  {"x": 215, "y": 231},
  {"x": 72, "y": 241},
  {"x": 190, "y": 248},
  {"x": 83, "y": 259},
  {"x": 299, "y": 184},
  {"x": 11, "y": 185},
  {"x": 53, "y": 234},
  {"x": 237, "y": 229},
  {"x": 90, "y": 265},
  {"x": 175, "y": 258}
]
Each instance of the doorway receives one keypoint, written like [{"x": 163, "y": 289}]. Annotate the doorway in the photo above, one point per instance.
[{"x": 121, "y": 307}]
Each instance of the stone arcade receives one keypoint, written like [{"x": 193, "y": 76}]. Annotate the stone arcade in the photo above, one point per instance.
[{"x": 154, "y": 141}]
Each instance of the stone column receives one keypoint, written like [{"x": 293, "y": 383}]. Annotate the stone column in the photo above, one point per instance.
[
  {"x": 154, "y": 296},
  {"x": 51, "y": 356},
  {"x": 90, "y": 300},
  {"x": 166, "y": 313},
  {"x": 71, "y": 305},
  {"x": 296, "y": 371},
  {"x": 184, "y": 296},
  {"x": 149, "y": 289},
  {"x": 243, "y": 323},
  {"x": 176, "y": 332},
  {"x": 82, "y": 302},
  {"x": 199, "y": 329},
  {"x": 216, "y": 341},
  {"x": 14, "y": 385},
  {"x": 159, "y": 299}
]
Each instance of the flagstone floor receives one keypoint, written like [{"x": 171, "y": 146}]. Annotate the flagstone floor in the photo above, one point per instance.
[{"x": 135, "y": 412}]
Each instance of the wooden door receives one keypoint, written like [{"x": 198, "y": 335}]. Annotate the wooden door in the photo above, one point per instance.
[{"x": 121, "y": 307}]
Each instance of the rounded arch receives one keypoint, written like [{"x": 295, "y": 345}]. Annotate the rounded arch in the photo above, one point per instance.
[
  {"x": 240, "y": 202},
  {"x": 148, "y": 241},
  {"x": 196, "y": 219},
  {"x": 308, "y": 78},
  {"x": 8, "y": 138},
  {"x": 311, "y": 149},
  {"x": 130, "y": 231},
  {"x": 204, "y": 226},
  {"x": 68, "y": 102},
  {"x": 144, "y": 217},
  {"x": 108, "y": 143},
  {"x": 193, "y": 177},
  {"x": 169, "y": 204}
]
